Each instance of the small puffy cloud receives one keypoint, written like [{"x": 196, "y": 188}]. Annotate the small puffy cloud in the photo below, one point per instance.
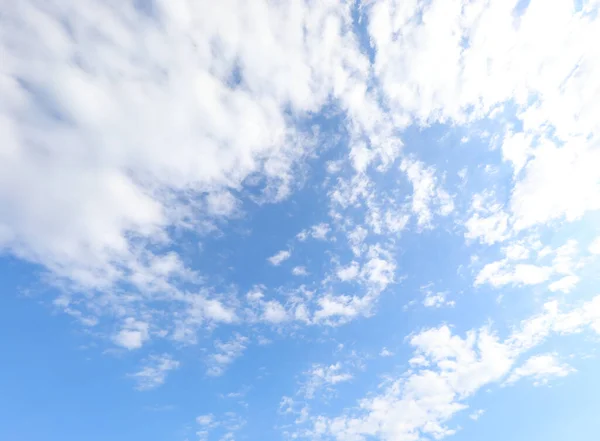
[
  {"x": 428, "y": 196},
  {"x": 323, "y": 376},
  {"x": 299, "y": 271},
  {"x": 385, "y": 352},
  {"x": 226, "y": 353},
  {"x": 477, "y": 414},
  {"x": 280, "y": 257},
  {"x": 379, "y": 270},
  {"x": 541, "y": 368},
  {"x": 435, "y": 299},
  {"x": 133, "y": 334},
  {"x": 565, "y": 285},
  {"x": 221, "y": 204},
  {"x": 356, "y": 238},
  {"x": 488, "y": 222},
  {"x": 349, "y": 272},
  {"x": 154, "y": 373},
  {"x": 340, "y": 308},
  {"x": 318, "y": 232},
  {"x": 205, "y": 420},
  {"x": 501, "y": 273},
  {"x": 201, "y": 310},
  {"x": 274, "y": 312},
  {"x": 516, "y": 251},
  {"x": 511, "y": 270}
]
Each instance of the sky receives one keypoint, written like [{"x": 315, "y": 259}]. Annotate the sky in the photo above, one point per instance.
[{"x": 299, "y": 220}]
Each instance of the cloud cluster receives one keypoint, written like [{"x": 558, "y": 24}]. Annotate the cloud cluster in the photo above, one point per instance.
[{"x": 447, "y": 369}]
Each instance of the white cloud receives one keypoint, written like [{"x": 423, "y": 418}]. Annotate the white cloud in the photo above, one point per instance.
[
  {"x": 205, "y": 420},
  {"x": 447, "y": 369},
  {"x": 385, "y": 352},
  {"x": 226, "y": 353},
  {"x": 229, "y": 422},
  {"x": 541, "y": 368},
  {"x": 349, "y": 272},
  {"x": 323, "y": 377},
  {"x": 594, "y": 247},
  {"x": 318, "y": 232},
  {"x": 200, "y": 310},
  {"x": 155, "y": 372},
  {"x": 356, "y": 239},
  {"x": 145, "y": 134},
  {"x": 516, "y": 251},
  {"x": 565, "y": 262},
  {"x": 133, "y": 334},
  {"x": 437, "y": 300},
  {"x": 477, "y": 414},
  {"x": 299, "y": 271},
  {"x": 517, "y": 148},
  {"x": 341, "y": 308},
  {"x": 559, "y": 182},
  {"x": 489, "y": 222},
  {"x": 379, "y": 270},
  {"x": 105, "y": 157},
  {"x": 221, "y": 204},
  {"x": 428, "y": 195},
  {"x": 502, "y": 273},
  {"x": 274, "y": 312},
  {"x": 280, "y": 257},
  {"x": 566, "y": 284}
]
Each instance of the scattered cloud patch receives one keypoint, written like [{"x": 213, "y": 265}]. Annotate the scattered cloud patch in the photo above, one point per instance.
[
  {"x": 154, "y": 372},
  {"x": 541, "y": 369},
  {"x": 279, "y": 258},
  {"x": 225, "y": 354}
]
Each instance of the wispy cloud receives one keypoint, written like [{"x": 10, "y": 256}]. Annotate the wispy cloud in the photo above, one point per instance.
[
  {"x": 279, "y": 258},
  {"x": 155, "y": 371}
]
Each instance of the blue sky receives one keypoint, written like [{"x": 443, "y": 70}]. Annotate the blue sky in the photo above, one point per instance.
[{"x": 299, "y": 220}]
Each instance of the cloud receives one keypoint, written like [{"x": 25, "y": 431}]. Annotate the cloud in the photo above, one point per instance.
[
  {"x": 594, "y": 247},
  {"x": 133, "y": 334},
  {"x": 155, "y": 372},
  {"x": 565, "y": 262},
  {"x": 566, "y": 284},
  {"x": 119, "y": 139},
  {"x": 450, "y": 369},
  {"x": 477, "y": 414},
  {"x": 560, "y": 182},
  {"x": 435, "y": 299},
  {"x": 488, "y": 222},
  {"x": 427, "y": 194},
  {"x": 274, "y": 312},
  {"x": 318, "y": 232},
  {"x": 226, "y": 353},
  {"x": 200, "y": 310},
  {"x": 349, "y": 272},
  {"x": 280, "y": 257},
  {"x": 541, "y": 368},
  {"x": 500, "y": 273},
  {"x": 205, "y": 420},
  {"x": 299, "y": 271},
  {"x": 321, "y": 377},
  {"x": 229, "y": 423},
  {"x": 108, "y": 159},
  {"x": 385, "y": 352}
]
